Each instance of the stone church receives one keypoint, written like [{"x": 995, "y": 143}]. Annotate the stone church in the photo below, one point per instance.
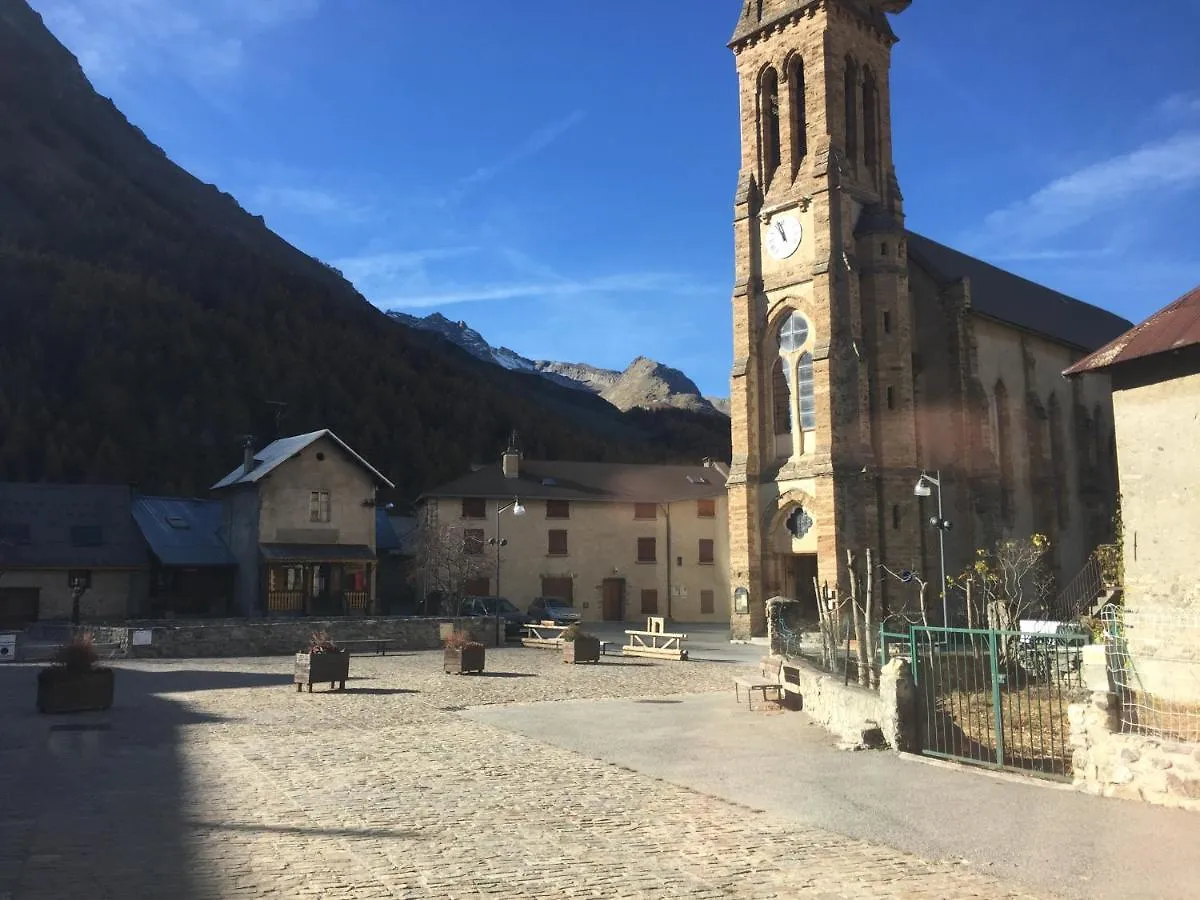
[{"x": 866, "y": 355}]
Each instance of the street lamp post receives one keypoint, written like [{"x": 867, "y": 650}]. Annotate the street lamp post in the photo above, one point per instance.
[
  {"x": 941, "y": 524},
  {"x": 498, "y": 542}
]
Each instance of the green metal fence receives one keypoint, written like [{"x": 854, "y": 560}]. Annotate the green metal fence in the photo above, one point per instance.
[{"x": 997, "y": 698}]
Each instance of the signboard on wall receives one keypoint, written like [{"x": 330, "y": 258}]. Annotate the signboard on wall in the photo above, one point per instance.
[
  {"x": 143, "y": 637},
  {"x": 741, "y": 601}
]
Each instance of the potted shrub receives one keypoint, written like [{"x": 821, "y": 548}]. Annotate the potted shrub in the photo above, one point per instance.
[
  {"x": 322, "y": 662},
  {"x": 462, "y": 654},
  {"x": 579, "y": 646},
  {"x": 75, "y": 683}
]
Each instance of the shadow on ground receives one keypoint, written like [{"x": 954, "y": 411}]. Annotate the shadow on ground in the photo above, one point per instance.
[{"x": 96, "y": 803}]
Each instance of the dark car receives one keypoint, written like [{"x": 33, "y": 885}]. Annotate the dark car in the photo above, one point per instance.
[
  {"x": 514, "y": 619},
  {"x": 553, "y": 609}
]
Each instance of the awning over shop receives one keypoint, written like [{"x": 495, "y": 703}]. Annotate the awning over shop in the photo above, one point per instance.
[{"x": 327, "y": 553}]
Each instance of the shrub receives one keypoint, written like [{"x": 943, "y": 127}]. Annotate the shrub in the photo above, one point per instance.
[
  {"x": 321, "y": 642},
  {"x": 574, "y": 631},
  {"x": 78, "y": 654},
  {"x": 461, "y": 640}
]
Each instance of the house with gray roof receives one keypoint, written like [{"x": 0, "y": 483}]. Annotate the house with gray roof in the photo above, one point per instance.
[
  {"x": 300, "y": 518},
  {"x": 191, "y": 566},
  {"x": 53, "y": 535}
]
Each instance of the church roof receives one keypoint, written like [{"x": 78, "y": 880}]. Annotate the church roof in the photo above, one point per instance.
[
  {"x": 1171, "y": 328},
  {"x": 758, "y": 15},
  {"x": 1018, "y": 301}
]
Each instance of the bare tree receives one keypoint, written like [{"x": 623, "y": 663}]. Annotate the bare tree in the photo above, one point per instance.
[
  {"x": 922, "y": 590},
  {"x": 1012, "y": 580},
  {"x": 446, "y": 560}
]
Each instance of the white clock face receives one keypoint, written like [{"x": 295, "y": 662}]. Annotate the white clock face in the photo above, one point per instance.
[{"x": 784, "y": 234}]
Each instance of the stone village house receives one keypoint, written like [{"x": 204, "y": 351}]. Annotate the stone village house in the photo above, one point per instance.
[
  {"x": 296, "y": 531},
  {"x": 1155, "y": 374},
  {"x": 300, "y": 519},
  {"x": 621, "y": 542},
  {"x": 865, "y": 353},
  {"x": 49, "y": 532}
]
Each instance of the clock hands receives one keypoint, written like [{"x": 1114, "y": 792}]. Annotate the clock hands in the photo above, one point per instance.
[{"x": 782, "y": 232}]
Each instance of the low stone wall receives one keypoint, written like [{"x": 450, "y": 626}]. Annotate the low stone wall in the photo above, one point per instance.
[
  {"x": 1130, "y": 766},
  {"x": 858, "y": 716},
  {"x": 281, "y": 637}
]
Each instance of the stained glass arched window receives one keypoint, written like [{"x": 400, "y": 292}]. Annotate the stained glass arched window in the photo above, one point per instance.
[{"x": 793, "y": 333}]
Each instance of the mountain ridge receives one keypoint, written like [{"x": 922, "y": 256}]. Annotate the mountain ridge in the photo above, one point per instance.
[{"x": 644, "y": 384}]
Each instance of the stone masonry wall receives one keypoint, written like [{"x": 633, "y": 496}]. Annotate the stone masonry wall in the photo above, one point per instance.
[
  {"x": 858, "y": 716},
  {"x": 281, "y": 637},
  {"x": 1130, "y": 766}
]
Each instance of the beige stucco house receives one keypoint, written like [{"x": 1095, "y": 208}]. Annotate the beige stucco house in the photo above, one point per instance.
[
  {"x": 300, "y": 518},
  {"x": 1155, "y": 374},
  {"x": 621, "y": 542}
]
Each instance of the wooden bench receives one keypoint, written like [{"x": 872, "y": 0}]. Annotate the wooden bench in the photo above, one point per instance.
[
  {"x": 655, "y": 642},
  {"x": 378, "y": 646},
  {"x": 750, "y": 685},
  {"x": 543, "y": 634}
]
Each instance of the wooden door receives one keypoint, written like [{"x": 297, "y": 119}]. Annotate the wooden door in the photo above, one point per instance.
[
  {"x": 614, "y": 599},
  {"x": 18, "y": 606}
]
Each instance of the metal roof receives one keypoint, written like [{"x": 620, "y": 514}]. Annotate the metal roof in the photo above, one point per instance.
[
  {"x": 1171, "y": 328},
  {"x": 598, "y": 482},
  {"x": 1017, "y": 301},
  {"x": 278, "y": 452},
  {"x": 69, "y": 526},
  {"x": 183, "y": 532},
  {"x": 316, "y": 552}
]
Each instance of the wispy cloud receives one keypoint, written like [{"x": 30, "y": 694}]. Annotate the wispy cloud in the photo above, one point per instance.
[
  {"x": 199, "y": 39},
  {"x": 374, "y": 268},
  {"x": 1164, "y": 169},
  {"x": 538, "y": 141},
  {"x": 1183, "y": 105},
  {"x": 556, "y": 289},
  {"x": 313, "y": 202}
]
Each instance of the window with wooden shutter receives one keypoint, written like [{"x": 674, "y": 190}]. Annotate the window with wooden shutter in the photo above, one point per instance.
[
  {"x": 474, "y": 508},
  {"x": 707, "y": 603},
  {"x": 558, "y": 509},
  {"x": 473, "y": 541},
  {"x": 706, "y": 551},
  {"x": 557, "y": 543},
  {"x": 645, "y": 510},
  {"x": 647, "y": 550},
  {"x": 650, "y": 602},
  {"x": 706, "y": 509}
]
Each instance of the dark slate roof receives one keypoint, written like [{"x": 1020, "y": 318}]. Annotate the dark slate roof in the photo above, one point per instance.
[
  {"x": 1171, "y": 328},
  {"x": 601, "y": 482},
  {"x": 316, "y": 552},
  {"x": 69, "y": 526},
  {"x": 1017, "y": 301},
  {"x": 182, "y": 532},
  {"x": 278, "y": 452}
]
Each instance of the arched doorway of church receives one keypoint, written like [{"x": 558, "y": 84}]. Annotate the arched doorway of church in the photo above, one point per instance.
[{"x": 795, "y": 573}]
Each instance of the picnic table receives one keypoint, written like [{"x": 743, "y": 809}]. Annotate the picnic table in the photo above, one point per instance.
[
  {"x": 378, "y": 646},
  {"x": 543, "y": 634},
  {"x": 655, "y": 641}
]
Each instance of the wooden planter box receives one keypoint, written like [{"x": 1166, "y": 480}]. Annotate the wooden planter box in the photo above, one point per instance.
[
  {"x": 60, "y": 690},
  {"x": 581, "y": 650},
  {"x": 468, "y": 659},
  {"x": 319, "y": 668}
]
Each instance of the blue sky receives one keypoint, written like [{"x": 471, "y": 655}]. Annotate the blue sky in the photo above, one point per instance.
[{"x": 560, "y": 173}]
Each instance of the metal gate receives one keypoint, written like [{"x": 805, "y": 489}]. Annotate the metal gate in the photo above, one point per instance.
[{"x": 998, "y": 698}]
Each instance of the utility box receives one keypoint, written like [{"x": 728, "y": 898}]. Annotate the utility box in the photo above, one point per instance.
[{"x": 8, "y": 648}]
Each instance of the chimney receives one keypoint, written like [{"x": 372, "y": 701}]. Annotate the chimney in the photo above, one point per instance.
[
  {"x": 510, "y": 462},
  {"x": 248, "y": 456}
]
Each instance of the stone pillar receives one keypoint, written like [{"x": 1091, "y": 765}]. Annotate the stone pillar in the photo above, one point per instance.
[
  {"x": 1091, "y": 724},
  {"x": 898, "y": 705}
]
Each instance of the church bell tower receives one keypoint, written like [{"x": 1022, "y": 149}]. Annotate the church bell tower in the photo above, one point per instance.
[{"x": 824, "y": 439}]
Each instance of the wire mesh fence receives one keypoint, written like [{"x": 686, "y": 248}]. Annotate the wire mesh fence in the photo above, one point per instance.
[{"x": 1154, "y": 660}]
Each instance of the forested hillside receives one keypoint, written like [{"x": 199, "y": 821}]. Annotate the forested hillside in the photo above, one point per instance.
[{"x": 147, "y": 323}]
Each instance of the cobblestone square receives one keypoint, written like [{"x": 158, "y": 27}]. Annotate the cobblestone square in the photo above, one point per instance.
[{"x": 216, "y": 779}]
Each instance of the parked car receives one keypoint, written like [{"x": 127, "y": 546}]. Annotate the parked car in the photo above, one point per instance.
[
  {"x": 553, "y": 609},
  {"x": 486, "y": 606}
]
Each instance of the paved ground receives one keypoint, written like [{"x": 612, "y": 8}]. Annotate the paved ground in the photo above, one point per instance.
[
  {"x": 1012, "y": 827},
  {"x": 216, "y": 779}
]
